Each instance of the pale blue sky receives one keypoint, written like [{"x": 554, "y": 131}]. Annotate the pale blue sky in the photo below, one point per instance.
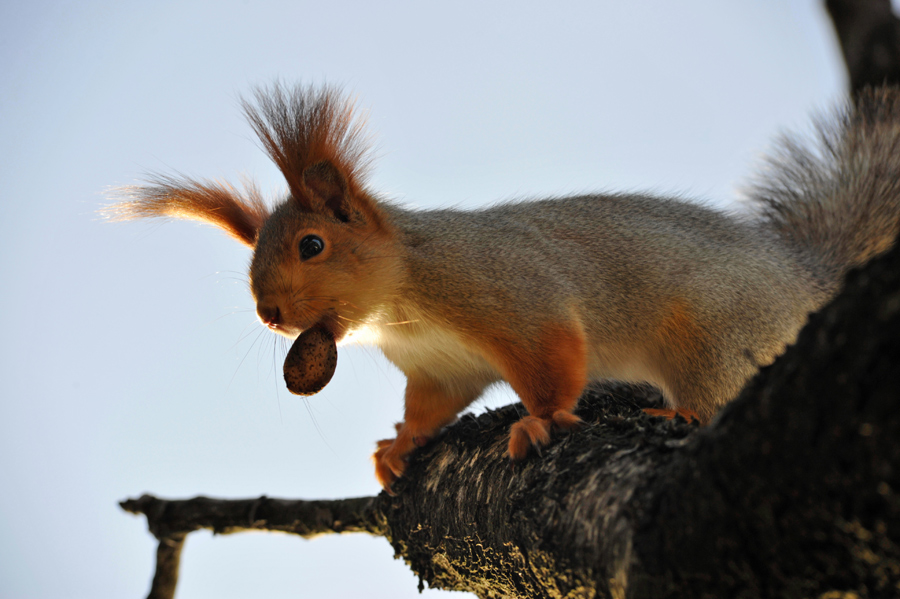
[{"x": 130, "y": 359}]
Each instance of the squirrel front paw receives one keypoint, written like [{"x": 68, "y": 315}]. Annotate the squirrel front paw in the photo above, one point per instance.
[
  {"x": 389, "y": 464},
  {"x": 532, "y": 431},
  {"x": 391, "y": 455}
]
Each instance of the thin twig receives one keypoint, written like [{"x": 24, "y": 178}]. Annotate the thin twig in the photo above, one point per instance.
[{"x": 171, "y": 521}]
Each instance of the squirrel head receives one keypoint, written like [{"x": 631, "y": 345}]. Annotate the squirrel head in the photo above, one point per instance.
[{"x": 326, "y": 256}]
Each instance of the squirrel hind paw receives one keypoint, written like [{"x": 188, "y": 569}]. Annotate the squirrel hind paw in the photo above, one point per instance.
[
  {"x": 668, "y": 413},
  {"x": 564, "y": 420}
]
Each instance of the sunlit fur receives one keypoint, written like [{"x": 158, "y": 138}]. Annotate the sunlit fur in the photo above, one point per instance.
[
  {"x": 549, "y": 294},
  {"x": 240, "y": 214}
]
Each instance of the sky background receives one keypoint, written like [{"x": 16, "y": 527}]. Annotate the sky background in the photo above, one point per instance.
[{"x": 130, "y": 357}]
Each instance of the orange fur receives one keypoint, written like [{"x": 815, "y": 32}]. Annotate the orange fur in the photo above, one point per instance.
[
  {"x": 669, "y": 414},
  {"x": 341, "y": 296},
  {"x": 548, "y": 377},
  {"x": 429, "y": 408},
  {"x": 317, "y": 142},
  {"x": 679, "y": 330},
  {"x": 686, "y": 351},
  {"x": 241, "y": 215},
  {"x": 528, "y": 432},
  {"x": 302, "y": 126},
  {"x": 309, "y": 133},
  {"x": 312, "y": 135}
]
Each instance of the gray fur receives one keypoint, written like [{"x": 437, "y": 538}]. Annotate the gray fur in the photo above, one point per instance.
[{"x": 617, "y": 261}]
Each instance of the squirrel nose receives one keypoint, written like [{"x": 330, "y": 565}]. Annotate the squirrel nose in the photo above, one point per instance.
[{"x": 269, "y": 315}]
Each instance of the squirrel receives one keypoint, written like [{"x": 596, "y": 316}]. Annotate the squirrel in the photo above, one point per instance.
[{"x": 545, "y": 295}]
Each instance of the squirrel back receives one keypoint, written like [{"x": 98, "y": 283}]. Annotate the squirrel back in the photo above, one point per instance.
[
  {"x": 546, "y": 295},
  {"x": 663, "y": 291}
]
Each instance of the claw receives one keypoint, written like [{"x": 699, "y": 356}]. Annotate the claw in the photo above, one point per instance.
[
  {"x": 669, "y": 414},
  {"x": 390, "y": 460},
  {"x": 528, "y": 432}
]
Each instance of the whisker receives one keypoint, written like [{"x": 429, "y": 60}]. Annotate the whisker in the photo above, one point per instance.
[
  {"x": 352, "y": 305},
  {"x": 244, "y": 336},
  {"x": 299, "y": 290},
  {"x": 350, "y": 319},
  {"x": 217, "y": 319},
  {"x": 360, "y": 244},
  {"x": 378, "y": 257},
  {"x": 368, "y": 350},
  {"x": 275, "y": 379},
  {"x": 249, "y": 349},
  {"x": 315, "y": 422}
]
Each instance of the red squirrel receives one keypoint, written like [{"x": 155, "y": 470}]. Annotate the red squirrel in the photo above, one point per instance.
[{"x": 545, "y": 295}]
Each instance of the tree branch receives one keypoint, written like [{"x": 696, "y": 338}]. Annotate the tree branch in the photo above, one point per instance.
[
  {"x": 168, "y": 560},
  {"x": 171, "y": 520},
  {"x": 869, "y": 34},
  {"x": 307, "y": 519}
]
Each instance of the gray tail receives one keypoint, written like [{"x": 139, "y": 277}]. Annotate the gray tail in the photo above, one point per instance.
[{"x": 836, "y": 199}]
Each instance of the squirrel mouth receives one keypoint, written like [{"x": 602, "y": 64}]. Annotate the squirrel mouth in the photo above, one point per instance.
[{"x": 329, "y": 323}]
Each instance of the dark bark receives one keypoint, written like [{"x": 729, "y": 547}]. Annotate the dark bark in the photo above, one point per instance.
[
  {"x": 171, "y": 521},
  {"x": 869, "y": 34},
  {"x": 224, "y": 516},
  {"x": 168, "y": 561},
  {"x": 793, "y": 490}
]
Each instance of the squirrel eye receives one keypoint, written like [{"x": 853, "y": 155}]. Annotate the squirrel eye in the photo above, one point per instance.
[{"x": 310, "y": 246}]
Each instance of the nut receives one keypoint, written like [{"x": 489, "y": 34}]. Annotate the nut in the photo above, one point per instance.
[{"x": 310, "y": 363}]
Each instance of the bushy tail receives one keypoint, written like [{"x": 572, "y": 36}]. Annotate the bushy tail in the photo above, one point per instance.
[{"x": 836, "y": 200}]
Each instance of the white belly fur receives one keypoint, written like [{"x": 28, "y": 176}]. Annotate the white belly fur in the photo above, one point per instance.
[{"x": 428, "y": 349}]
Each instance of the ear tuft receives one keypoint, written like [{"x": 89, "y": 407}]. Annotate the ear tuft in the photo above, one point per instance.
[
  {"x": 301, "y": 127},
  {"x": 240, "y": 215}
]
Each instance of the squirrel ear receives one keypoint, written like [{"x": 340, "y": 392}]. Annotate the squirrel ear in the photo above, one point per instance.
[{"x": 327, "y": 190}]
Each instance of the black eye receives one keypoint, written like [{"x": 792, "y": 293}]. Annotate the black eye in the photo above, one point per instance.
[{"x": 311, "y": 245}]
